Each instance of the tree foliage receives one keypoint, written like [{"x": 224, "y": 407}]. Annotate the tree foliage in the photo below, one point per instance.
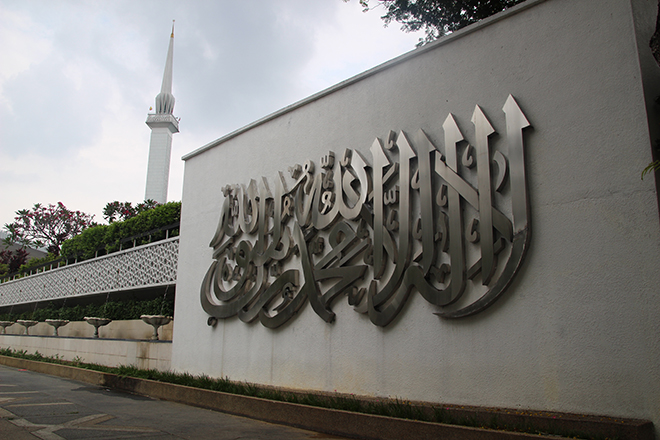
[
  {"x": 115, "y": 310},
  {"x": 11, "y": 261},
  {"x": 120, "y": 211},
  {"x": 36, "y": 262},
  {"x": 47, "y": 226},
  {"x": 108, "y": 237},
  {"x": 437, "y": 17},
  {"x": 650, "y": 168}
]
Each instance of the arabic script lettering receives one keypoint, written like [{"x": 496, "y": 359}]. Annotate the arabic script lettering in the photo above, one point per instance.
[{"x": 447, "y": 220}]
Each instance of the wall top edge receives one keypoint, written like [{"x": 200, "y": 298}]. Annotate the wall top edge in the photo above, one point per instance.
[{"x": 368, "y": 73}]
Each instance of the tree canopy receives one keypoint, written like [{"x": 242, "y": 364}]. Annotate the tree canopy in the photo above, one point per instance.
[
  {"x": 120, "y": 211},
  {"x": 437, "y": 17},
  {"x": 46, "y": 226},
  {"x": 11, "y": 261}
]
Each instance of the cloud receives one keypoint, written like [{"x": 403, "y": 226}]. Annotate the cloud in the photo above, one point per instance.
[{"x": 78, "y": 78}]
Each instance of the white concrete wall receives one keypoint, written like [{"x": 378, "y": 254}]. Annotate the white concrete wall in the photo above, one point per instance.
[
  {"x": 578, "y": 330},
  {"x": 120, "y": 329},
  {"x": 108, "y": 352}
]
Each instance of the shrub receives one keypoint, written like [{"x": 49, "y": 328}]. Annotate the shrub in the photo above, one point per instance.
[
  {"x": 116, "y": 310},
  {"x": 152, "y": 219},
  {"x": 108, "y": 237},
  {"x": 84, "y": 245},
  {"x": 34, "y": 262}
]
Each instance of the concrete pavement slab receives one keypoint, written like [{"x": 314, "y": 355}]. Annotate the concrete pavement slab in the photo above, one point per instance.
[{"x": 34, "y": 405}]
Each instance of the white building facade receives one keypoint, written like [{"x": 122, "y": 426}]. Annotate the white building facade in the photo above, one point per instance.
[{"x": 479, "y": 235}]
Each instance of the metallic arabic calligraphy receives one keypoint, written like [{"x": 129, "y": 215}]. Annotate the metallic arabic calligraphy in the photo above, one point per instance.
[{"x": 450, "y": 223}]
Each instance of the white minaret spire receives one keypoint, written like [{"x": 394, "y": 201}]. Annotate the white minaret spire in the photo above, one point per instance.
[{"x": 163, "y": 124}]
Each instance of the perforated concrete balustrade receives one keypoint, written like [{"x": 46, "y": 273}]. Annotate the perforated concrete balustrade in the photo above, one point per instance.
[{"x": 150, "y": 265}]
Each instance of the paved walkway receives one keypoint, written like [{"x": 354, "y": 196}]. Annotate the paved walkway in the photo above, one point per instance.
[{"x": 38, "y": 406}]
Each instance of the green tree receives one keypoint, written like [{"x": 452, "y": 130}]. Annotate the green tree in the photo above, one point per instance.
[
  {"x": 437, "y": 17},
  {"x": 46, "y": 226},
  {"x": 120, "y": 211},
  {"x": 11, "y": 261},
  {"x": 108, "y": 237}
]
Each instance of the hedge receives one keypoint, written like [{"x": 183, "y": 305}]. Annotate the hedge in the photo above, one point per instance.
[
  {"x": 115, "y": 310},
  {"x": 108, "y": 237}
]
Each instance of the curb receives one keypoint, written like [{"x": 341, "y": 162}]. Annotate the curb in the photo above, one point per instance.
[{"x": 328, "y": 421}]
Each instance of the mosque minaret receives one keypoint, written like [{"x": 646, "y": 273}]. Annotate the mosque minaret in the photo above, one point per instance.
[{"x": 163, "y": 124}]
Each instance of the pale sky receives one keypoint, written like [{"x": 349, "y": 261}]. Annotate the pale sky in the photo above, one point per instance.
[{"x": 77, "y": 79}]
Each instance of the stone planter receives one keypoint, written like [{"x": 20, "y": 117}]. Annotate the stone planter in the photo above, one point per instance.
[
  {"x": 156, "y": 321},
  {"x": 4, "y": 325},
  {"x": 97, "y": 322},
  {"x": 27, "y": 324},
  {"x": 57, "y": 323}
]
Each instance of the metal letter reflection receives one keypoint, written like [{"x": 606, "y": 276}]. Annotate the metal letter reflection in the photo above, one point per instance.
[{"x": 450, "y": 223}]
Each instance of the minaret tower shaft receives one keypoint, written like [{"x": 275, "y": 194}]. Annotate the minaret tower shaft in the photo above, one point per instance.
[{"x": 163, "y": 125}]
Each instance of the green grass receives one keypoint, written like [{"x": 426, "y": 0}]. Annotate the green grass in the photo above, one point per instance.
[{"x": 387, "y": 407}]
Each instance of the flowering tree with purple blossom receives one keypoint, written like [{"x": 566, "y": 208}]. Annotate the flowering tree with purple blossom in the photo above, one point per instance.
[{"x": 47, "y": 226}]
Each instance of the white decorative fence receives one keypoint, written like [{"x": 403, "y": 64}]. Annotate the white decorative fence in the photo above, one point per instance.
[{"x": 149, "y": 265}]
